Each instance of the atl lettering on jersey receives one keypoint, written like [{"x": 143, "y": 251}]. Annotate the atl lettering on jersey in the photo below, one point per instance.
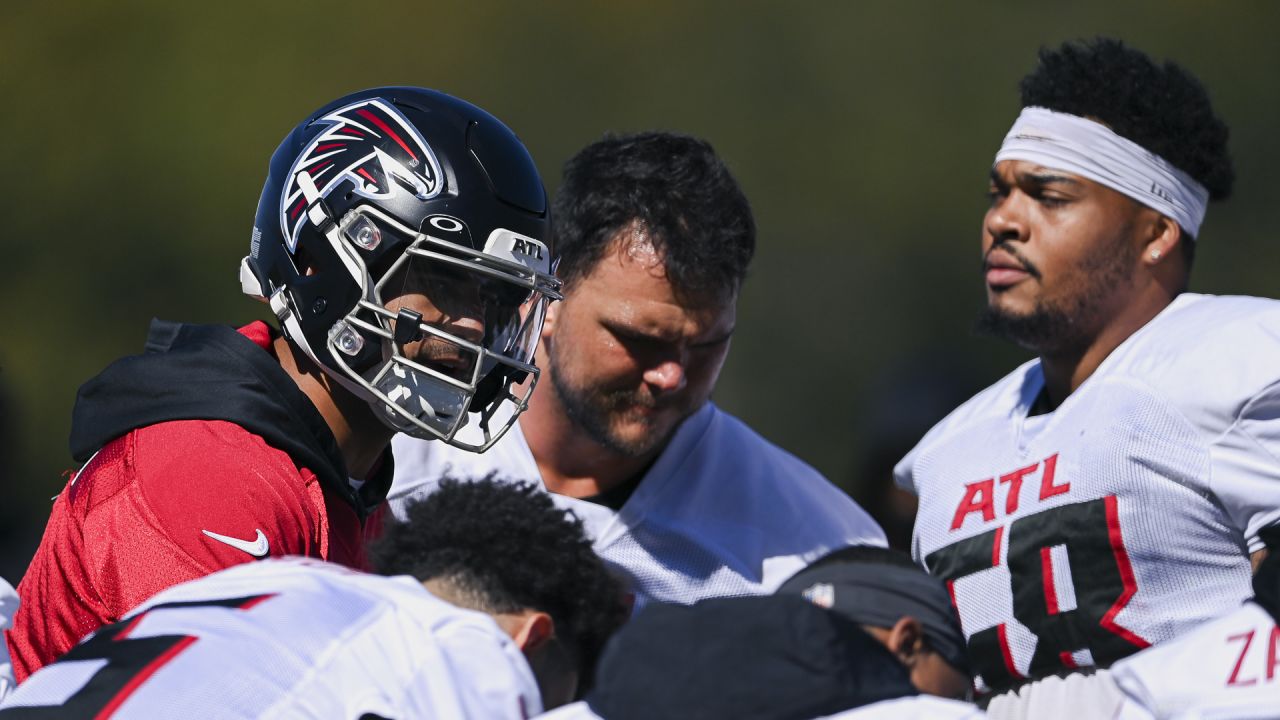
[{"x": 1123, "y": 518}]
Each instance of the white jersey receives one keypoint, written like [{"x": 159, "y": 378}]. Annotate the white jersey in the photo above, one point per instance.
[
  {"x": 1086, "y": 694},
  {"x": 722, "y": 512},
  {"x": 8, "y": 606},
  {"x": 1122, "y": 519},
  {"x": 289, "y": 638},
  {"x": 916, "y": 707},
  {"x": 1227, "y": 669},
  {"x": 573, "y": 711}
]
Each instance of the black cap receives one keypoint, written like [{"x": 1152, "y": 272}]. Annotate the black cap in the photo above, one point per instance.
[
  {"x": 773, "y": 657},
  {"x": 879, "y": 593}
]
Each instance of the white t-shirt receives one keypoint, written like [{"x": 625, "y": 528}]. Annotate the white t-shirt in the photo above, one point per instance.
[
  {"x": 1122, "y": 519},
  {"x": 8, "y": 606},
  {"x": 722, "y": 512},
  {"x": 1227, "y": 669},
  {"x": 291, "y": 638}
]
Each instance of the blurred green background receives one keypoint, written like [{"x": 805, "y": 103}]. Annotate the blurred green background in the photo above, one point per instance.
[{"x": 136, "y": 137}]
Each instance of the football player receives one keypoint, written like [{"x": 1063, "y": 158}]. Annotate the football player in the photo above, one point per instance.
[
  {"x": 891, "y": 598},
  {"x": 1228, "y": 668},
  {"x": 399, "y": 242},
  {"x": 654, "y": 237},
  {"x": 1107, "y": 495},
  {"x": 861, "y": 633},
  {"x": 492, "y": 604}
]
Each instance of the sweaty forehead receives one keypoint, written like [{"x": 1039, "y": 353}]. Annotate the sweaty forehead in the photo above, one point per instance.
[{"x": 629, "y": 289}]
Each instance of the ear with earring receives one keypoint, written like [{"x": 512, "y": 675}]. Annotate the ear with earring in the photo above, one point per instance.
[{"x": 1155, "y": 254}]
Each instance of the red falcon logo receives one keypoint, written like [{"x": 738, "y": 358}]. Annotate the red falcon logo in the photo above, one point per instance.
[{"x": 370, "y": 144}]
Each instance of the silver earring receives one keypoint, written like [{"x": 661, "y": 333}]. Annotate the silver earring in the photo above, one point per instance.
[{"x": 1155, "y": 254}]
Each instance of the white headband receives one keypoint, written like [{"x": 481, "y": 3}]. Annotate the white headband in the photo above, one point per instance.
[{"x": 1091, "y": 150}]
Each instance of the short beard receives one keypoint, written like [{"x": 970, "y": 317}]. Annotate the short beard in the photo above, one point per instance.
[
  {"x": 1045, "y": 330},
  {"x": 1068, "y": 326},
  {"x": 591, "y": 412}
]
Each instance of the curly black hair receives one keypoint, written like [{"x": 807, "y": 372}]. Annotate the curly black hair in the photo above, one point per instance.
[
  {"x": 674, "y": 188},
  {"x": 1163, "y": 108},
  {"x": 508, "y": 547}
]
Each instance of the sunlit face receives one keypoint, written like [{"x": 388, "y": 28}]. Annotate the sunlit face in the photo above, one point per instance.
[
  {"x": 1059, "y": 256},
  {"x": 628, "y": 359}
]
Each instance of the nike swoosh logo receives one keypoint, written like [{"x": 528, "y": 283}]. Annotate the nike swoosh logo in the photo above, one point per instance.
[{"x": 258, "y": 547}]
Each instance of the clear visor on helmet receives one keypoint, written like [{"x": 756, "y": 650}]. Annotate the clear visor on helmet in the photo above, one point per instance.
[{"x": 458, "y": 329}]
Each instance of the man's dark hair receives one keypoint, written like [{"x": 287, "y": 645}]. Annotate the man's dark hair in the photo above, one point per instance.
[
  {"x": 506, "y": 547},
  {"x": 1163, "y": 108},
  {"x": 671, "y": 187}
]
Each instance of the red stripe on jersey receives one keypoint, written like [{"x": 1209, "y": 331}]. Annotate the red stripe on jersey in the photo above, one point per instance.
[
  {"x": 1006, "y": 653},
  {"x": 1108, "y": 620},
  {"x": 386, "y": 129},
  {"x": 109, "y": 709},
  {"x": 995, "y": 547},
  {"x": 133, "y": 624},
  {"x": 254, "y": 602},
  {"x": 1067, "y": 660},
  {"x": 1050, "y": 589}
]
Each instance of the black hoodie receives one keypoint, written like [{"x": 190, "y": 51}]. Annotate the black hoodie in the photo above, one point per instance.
[{"x": 213, "y": 372}]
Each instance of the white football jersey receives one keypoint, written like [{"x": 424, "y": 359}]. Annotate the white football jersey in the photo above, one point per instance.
[
  {"x": 916, "y": 707},
  {"x": 722, "y": 512},
  {"x": 288, "y": 638},
  {"x": 573, "y": 711},
  {"x": 1227, "y": 669},
  {"x": 1123, "y": 518},
  {"x": 8, "y": 606}
]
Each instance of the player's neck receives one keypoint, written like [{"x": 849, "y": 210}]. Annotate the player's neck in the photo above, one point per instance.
[
  {"x": 1067, "y": 370},
  {"x": 361, "y": 437},
  {"x": 570, "y": 461}
]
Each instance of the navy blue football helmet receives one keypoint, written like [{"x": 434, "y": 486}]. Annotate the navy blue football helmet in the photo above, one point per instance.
[{"x": 384, "y": 182}]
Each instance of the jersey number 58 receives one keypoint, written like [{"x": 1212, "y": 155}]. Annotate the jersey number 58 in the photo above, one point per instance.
[{"x": 1102, "y": 581}]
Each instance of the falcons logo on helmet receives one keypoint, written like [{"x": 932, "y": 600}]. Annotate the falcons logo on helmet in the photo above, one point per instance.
[{"x": 369, "y": 144}]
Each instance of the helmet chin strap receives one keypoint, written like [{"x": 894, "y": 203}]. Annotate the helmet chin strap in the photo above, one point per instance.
[
  {"x": 317, "y": 213},
  {"x": 279, "y": 302}
]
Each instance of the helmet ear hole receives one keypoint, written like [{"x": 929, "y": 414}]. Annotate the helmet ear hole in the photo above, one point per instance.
[{"x": 302, "y": 259}]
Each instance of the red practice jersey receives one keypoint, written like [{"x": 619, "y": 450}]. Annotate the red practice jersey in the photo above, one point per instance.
[{"x": 176, "y": 500}]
